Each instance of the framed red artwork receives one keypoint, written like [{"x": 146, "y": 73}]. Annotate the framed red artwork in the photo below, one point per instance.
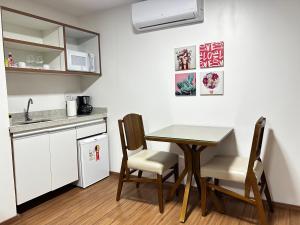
[{"x": 212, "y": 55}]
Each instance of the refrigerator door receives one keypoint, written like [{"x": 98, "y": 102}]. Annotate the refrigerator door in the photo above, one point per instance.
[{"x": 93, "y": 160}]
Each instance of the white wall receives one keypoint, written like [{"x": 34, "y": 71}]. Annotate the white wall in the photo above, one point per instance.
[
  {"x": 261, "y": 78},
  {"x": 7, "y": 192},
  {"x": 47, "y": 91}
]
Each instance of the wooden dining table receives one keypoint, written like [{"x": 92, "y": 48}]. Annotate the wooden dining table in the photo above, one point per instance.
[{"x": 192, "y": 140}]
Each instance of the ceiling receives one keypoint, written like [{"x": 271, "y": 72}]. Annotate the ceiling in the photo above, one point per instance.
[{"x": 83, "y": 7}]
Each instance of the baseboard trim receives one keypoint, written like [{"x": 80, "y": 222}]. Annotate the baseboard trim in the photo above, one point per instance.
[
  {"x": 276, "y": 204},
  {"x": 285, "y": 205},
  {"x": 11, "y": 220},
  {"x": 114, "y": 173}
]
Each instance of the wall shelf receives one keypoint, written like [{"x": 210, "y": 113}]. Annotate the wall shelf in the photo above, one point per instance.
[
  {"x": 36, "y": 41},
  {"x": 43, "y": 71},
  {"x": 26, "y": 45}
]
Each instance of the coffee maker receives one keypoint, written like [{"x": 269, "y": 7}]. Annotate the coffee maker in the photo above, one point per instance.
[{"x": 83, "y": 105}]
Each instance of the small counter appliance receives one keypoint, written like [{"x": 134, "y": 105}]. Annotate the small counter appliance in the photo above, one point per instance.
[
  {"x": 83, "y": 105},
  {"x": 71, "y": 108}
]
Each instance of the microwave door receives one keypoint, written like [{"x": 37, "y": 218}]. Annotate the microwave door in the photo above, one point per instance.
[{"x": 78, "y": 61}]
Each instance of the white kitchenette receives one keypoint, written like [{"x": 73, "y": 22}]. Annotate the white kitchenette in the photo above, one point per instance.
[
  {"x": 62, "y": 140},
  {"x": 53, "y": 150}
]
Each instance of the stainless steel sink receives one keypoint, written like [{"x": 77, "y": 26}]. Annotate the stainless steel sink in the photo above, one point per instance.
[{"x": 31, "y": 122}]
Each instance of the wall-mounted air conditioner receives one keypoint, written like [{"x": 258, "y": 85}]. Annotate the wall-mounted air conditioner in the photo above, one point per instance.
[{"x": 155, "y": 14}]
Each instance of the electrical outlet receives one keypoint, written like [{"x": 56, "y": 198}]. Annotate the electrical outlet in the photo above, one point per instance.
[{"x": 68, "y": 97}]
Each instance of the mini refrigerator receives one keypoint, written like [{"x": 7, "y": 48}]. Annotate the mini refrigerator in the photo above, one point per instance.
[{"x": 93, "y": 160}]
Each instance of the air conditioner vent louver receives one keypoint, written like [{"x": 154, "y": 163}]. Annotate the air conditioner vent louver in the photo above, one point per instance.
[
  {"x": 167, "y": 23},
  {"x": 155, "y": 14}
]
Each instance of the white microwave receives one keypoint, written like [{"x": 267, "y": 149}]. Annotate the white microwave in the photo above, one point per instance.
[{"x": 81, "y": 61}]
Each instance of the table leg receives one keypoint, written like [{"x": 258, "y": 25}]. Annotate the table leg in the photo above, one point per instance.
[
  {"x": 181, "y": 177},
  {"x": 192, "y": 168},
  {"x": 188, "y": 157},
  {"x": 196, "y": 168},
  {"x": 186, "y": 197},
  {"x": 176, "y": 185}
]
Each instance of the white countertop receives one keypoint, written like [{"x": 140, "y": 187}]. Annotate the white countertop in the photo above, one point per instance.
[{"x": 56, "y": 118}]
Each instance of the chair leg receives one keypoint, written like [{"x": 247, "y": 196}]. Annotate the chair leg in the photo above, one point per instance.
[
  {"x": 140, "y": 173},
  {"x": 259, "y": 204},
  {"x": 216, "y": 181},
  {"x": 121, "y": 178},
  {"x": 267, "y": 192},
  {"x": 203, "y": 195},
  {"x": 160, "y": 193},
  {"x": 176, "y": 175}
]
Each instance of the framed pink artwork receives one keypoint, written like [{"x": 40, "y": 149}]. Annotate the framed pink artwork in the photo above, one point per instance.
[
  {"x": 185, "y": 58},
  {"x": 185, "y": 84},
  {"x": 212, "y": 83},
  {"x": 212, "y": 55}
]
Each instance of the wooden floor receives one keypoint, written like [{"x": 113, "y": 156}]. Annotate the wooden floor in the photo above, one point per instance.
[{"x": 97, "y": 205}]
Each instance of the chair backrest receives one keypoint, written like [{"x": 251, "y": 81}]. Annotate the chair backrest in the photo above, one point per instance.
[
  {"x": 256, "y": 143},
  {"x": 134, "y": 136}
]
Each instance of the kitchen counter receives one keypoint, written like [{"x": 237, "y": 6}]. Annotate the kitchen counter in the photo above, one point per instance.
[{"x": 51, "y": 118}]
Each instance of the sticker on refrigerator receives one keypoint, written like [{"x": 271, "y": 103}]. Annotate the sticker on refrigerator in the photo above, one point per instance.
[
  {"x": 97, "y": 150},
  {"x": 91, "y": 155}
]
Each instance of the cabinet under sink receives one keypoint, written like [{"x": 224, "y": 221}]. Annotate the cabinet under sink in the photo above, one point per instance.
[
  {"x": 47, "y": 160},
  {"x": 44, "y": 162}
]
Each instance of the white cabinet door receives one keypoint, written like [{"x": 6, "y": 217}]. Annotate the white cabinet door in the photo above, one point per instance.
[
  {"x": 64, "y": 165},
  {"x": 32, "y": 167}
]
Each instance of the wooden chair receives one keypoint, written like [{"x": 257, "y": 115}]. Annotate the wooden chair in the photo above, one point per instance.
[
  {"x": 144, "y": 160},
  {"x": 238, "y": 169}
]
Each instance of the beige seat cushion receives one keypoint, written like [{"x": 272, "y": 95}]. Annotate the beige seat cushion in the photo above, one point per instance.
[
  {"x": 232, "y": 168},
  {"x": 152, "y": 161}
]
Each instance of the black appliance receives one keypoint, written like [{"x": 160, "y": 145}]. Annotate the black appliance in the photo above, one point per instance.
[{"x": 83, "y": 105}]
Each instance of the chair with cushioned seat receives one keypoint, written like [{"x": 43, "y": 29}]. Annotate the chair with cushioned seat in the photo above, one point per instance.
[
  {"x": 133, "y": 139},
  {"x": 248, "y": 171}
]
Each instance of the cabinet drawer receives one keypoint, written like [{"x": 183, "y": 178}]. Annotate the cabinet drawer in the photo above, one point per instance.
[{"x": 90, "y": 130}]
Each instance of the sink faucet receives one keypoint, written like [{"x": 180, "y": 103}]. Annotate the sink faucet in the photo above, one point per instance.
[{"x": 27, "y": 118}]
